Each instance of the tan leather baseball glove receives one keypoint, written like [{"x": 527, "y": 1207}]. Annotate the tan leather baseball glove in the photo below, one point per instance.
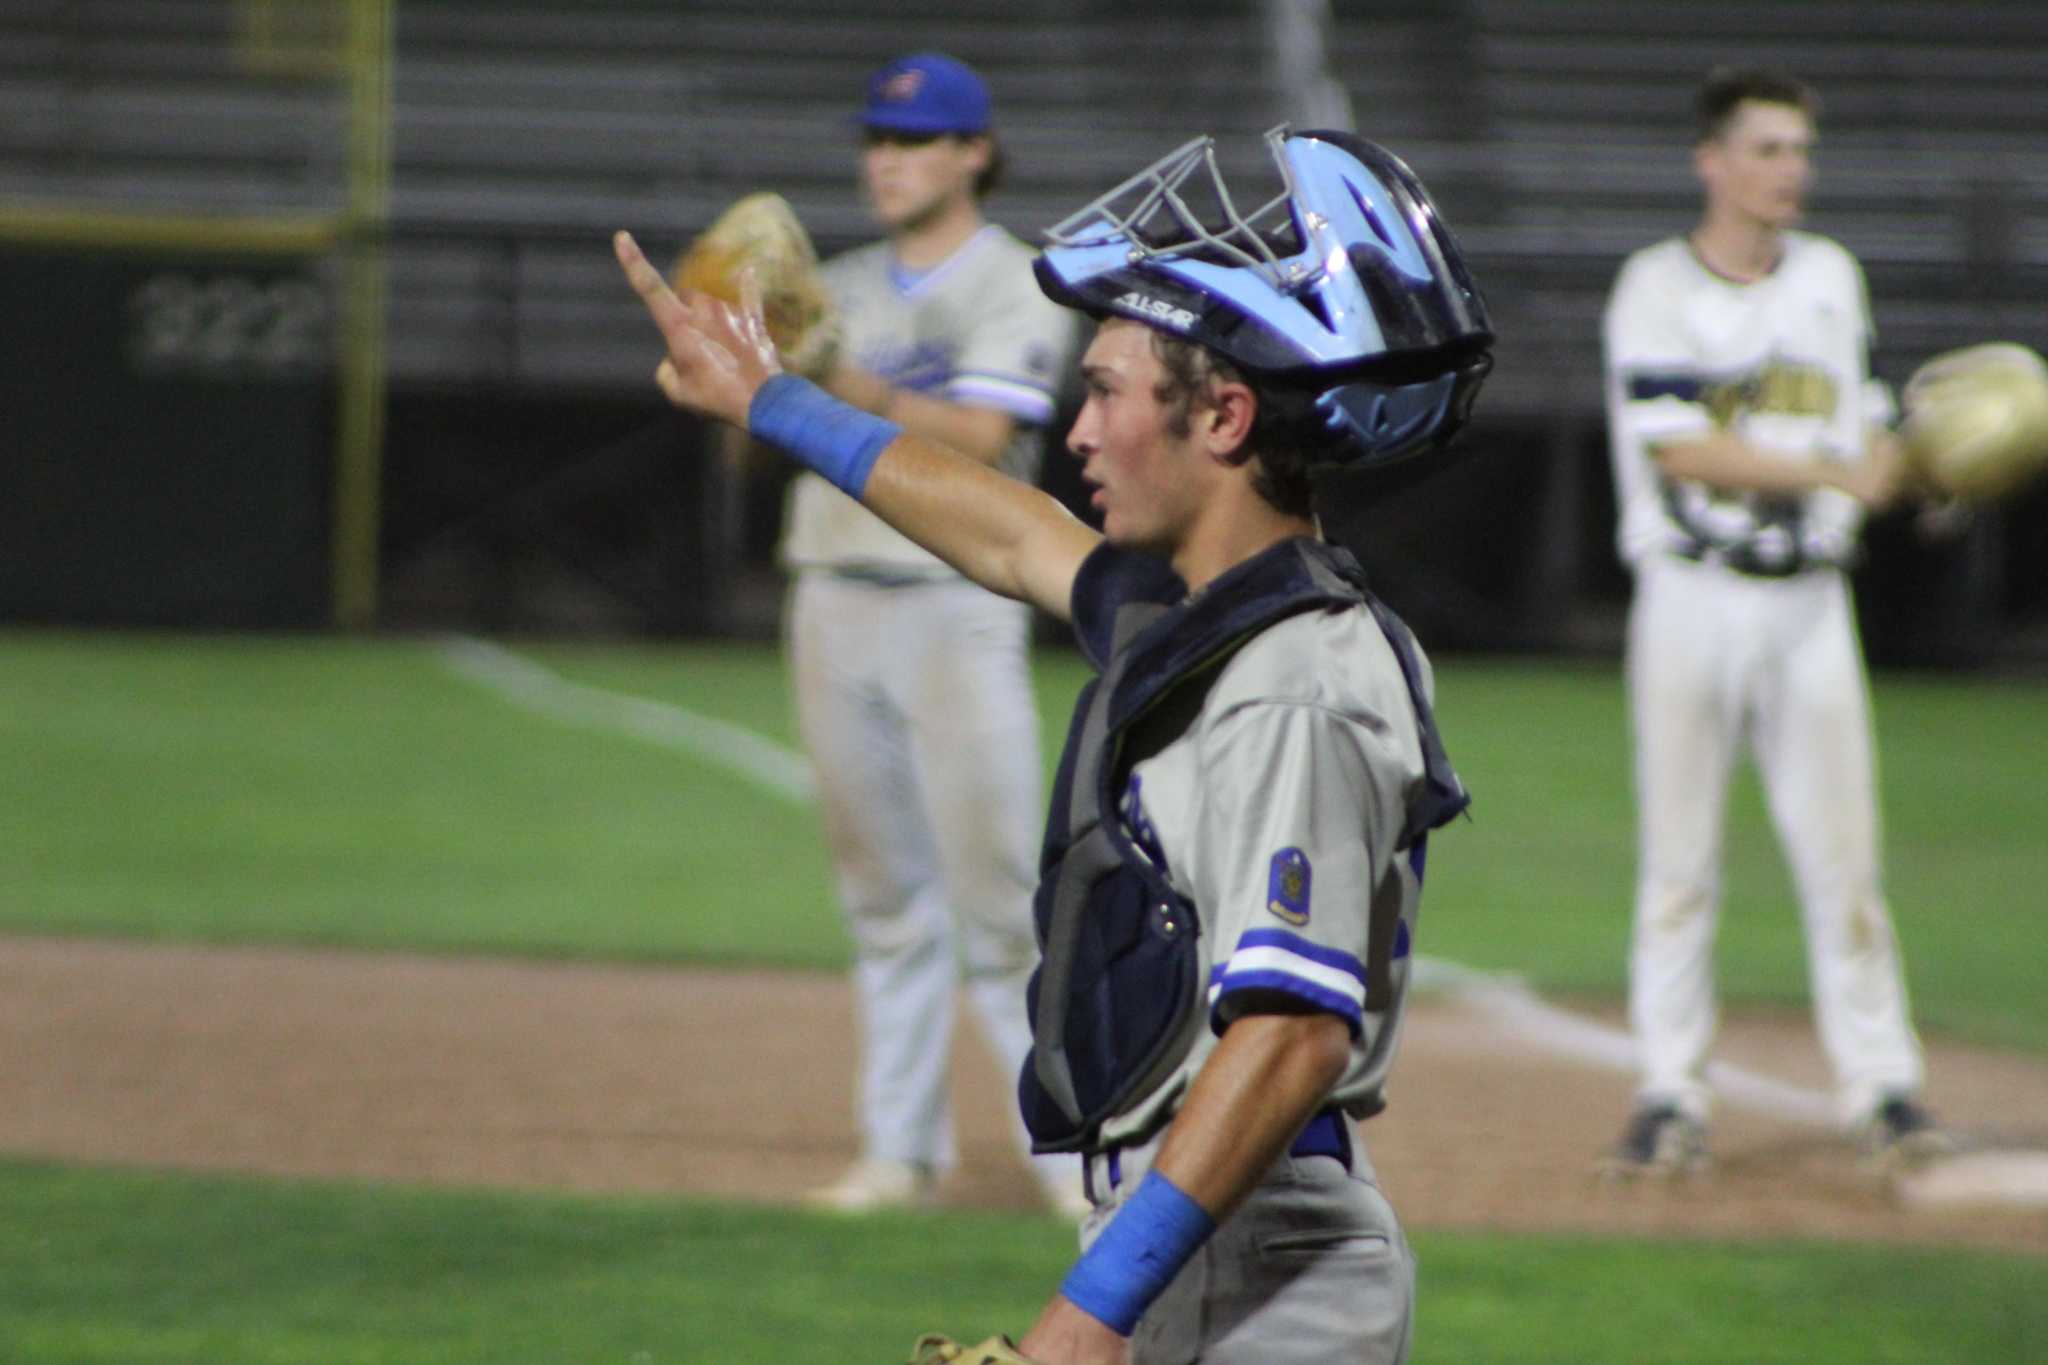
[
  {"x": 762, "y": 231},
  {"x": 1977, "y": 420},
  {"x": 936, "y": 1349}
]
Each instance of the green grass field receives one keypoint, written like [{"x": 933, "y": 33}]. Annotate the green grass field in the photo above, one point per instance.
[
  {"x": 324, "y": 791},
  {"x": 107, "y": 1268},
  {"x": 364, "y": 794}
]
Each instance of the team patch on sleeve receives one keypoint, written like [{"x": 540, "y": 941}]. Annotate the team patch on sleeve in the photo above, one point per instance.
[
  {"x": 1275, "y": 960},
  {"x": 1287, "y": 886}
]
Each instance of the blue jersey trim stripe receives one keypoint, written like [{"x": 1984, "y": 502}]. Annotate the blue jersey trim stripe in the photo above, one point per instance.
[
  {"x": 1344, "y": 1006},
  {"x": 1318, "y": 953}
]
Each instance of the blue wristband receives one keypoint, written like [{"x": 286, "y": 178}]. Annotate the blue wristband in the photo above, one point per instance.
[
  {"x": 836, "y": 439},
  {"x": 1138, "y": 1254}
]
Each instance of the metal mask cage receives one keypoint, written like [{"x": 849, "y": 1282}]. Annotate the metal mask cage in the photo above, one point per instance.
[{"x": 1160, "y": 213}]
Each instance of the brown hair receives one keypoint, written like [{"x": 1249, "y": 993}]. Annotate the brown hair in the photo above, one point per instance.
[
  {"x": 1281, "y": 476},
  {"x": 990, "y": 178},
  {"x": 1727, "y": 88}
]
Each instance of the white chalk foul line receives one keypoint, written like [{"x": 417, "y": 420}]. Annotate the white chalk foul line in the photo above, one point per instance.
[
  {"x": 1521, "y": 1013},
  {"x": 777, "y": 770},
  {"x": 783, "y": 772},
  {"x": 1998, "y": 1179}
]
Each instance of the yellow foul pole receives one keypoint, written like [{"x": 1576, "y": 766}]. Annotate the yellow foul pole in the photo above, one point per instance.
[{"x": 359, "y": 445}]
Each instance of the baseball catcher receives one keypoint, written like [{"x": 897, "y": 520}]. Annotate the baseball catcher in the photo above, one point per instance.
[
  {"x": 763, "y": 233},
  {"x": 1977, "y": 420},
  {"x": 1235, "y": 851}
]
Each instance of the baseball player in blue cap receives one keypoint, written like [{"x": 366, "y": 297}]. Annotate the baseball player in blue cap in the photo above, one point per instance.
[
  {"x": 912, "y": 686},
  {"x": 1234, "y": 854}
]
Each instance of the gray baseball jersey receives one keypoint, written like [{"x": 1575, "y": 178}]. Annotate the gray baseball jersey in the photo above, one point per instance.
[
  {"x": 1283, "y": 794},
  {"x": 1277, "y": 812},
  {"x": 973, "y": 330}
]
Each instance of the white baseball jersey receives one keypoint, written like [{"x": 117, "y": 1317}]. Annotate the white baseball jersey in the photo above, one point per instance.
[
  {"x": 973, "y": 330},
  {"x": 1782, "y": 362},
  {"x": 1277, "y": 813},
  {"x": 1742, "y": 630}
]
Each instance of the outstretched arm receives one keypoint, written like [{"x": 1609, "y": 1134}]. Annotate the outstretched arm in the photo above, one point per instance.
[{"x": 1010, "y": 538}]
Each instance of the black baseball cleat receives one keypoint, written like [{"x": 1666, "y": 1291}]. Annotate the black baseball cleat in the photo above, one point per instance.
[
  {"x": 1660, "y": 1142},
  {"x": 1900, "y": 1131}
]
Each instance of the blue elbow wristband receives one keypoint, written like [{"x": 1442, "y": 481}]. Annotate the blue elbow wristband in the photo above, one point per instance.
[
  {"x": 833, "y": 438},
  {"x": 1138, "y": 1254}
]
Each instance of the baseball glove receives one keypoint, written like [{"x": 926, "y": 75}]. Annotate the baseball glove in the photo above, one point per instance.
[
  {"x": 936, "y": 1349},
  {"x": 762, "y": 231},
  {"x": 1977, "y": 420}
]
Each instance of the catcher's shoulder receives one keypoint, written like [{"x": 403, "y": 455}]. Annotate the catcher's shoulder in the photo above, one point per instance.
[{"x": 1337, "y": 661}]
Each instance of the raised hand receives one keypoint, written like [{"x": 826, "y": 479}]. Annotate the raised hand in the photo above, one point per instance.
[{"x": 718, "y": 355}]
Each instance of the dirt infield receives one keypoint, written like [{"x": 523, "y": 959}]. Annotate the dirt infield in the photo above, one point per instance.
[{"x": 737, "y": 1084}]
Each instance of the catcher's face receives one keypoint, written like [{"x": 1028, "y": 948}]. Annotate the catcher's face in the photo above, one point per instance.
[
  {"x": 912, "y": 180},
  {"x": 1148, "y": 484},
  {"x": 1761, "y": 167}
]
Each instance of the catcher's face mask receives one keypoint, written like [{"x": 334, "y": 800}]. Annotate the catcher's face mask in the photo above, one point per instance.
[{"x": 1346, "y": 284}]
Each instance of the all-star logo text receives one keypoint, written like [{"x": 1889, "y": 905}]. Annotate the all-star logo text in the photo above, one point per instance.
[{"x": 1180, "y": 319}]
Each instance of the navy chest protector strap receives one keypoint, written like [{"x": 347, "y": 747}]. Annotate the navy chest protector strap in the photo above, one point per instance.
[{"x": 1112, "y": 999}]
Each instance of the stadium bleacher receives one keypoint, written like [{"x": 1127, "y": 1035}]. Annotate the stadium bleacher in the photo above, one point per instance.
[{"x": 1553, "y": 133}]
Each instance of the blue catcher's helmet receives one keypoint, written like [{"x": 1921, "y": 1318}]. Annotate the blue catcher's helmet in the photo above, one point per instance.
[{"x": 1344, "y": 294}]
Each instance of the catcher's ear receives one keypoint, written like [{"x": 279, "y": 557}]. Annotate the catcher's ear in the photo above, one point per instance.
[{"x": 1223, "y": 415}]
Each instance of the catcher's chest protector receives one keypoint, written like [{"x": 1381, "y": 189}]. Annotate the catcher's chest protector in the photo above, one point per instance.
[{"x": 1113, "y": 1003}]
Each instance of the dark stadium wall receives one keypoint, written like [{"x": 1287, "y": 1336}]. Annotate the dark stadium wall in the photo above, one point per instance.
[{"x": 168, "y": 436}]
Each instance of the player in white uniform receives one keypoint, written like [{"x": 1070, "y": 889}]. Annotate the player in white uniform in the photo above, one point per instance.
[
  {"x": 1234, "y": 856},
  {"x": 912, "y": 685},
  {"x": 1748, "y": 437}
]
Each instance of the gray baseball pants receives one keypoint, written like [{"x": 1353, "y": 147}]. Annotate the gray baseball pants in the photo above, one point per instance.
[{"x": 1312, "y": 1269}]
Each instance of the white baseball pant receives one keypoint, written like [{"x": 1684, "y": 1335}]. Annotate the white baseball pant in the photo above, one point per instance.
[
  {"x": 1715, "y": 657},
  {"x": 915, "y": 705}
]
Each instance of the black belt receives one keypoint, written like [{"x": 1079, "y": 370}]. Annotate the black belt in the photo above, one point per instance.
[
  {"x": 1325, "y": 1134},
  {"x": 1743, "y": 562}
]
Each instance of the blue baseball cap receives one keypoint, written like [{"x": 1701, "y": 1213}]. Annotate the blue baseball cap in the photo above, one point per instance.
[{"x": 926, "y": 92}]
